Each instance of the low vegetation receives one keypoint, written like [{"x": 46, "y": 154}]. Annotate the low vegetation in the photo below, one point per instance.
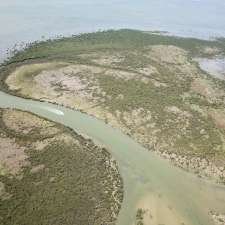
[{"x": 51, "y": 175}]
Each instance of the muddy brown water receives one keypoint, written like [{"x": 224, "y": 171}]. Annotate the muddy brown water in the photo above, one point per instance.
[{"x": 171, "y": 195}]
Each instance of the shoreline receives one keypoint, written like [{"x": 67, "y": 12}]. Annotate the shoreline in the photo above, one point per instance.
[{"x": 10, "y": 52}]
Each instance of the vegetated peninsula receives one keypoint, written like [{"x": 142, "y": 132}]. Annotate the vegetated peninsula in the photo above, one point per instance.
[
  {"x": 148, "y": 85},
  {"x": 51, "y": 175}
]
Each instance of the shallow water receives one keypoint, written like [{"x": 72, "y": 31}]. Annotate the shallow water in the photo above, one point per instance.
[
  {"x": 171, "y": 194},
  {"x": 215, "y": 67},
  {"x": 26, "y": 20}
]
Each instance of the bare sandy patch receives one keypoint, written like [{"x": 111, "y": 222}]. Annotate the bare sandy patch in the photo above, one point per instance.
[
  {"x": 158, "y": 84},
  {"x": 218, "y": 116},
  {"x": 156, "y": 210},
  {"x": 67, "y": 79},
  {"x": 168, "y": 54},
  {"x": 211, "y": 51},
  {"x": 37, "y": 168},
  {"x": 149, "y": 70},
  {"x": 173, "y": 59},
  {"x": 41, "y": 145},
  {"x": 62, "y": 82},
  {"x": 109, "y": 59},
  {"x": 24, "y": 122},
  {"x": 175, "y": 110},
  {"x": 219, "y": 219},
  {"x": 25, "y": 74},
  {"x": 63, "y": 85},
  {"x": 204, "y": 88},
  {"x": 68, "y": 86},
  {"x": 12, "y": 157}
]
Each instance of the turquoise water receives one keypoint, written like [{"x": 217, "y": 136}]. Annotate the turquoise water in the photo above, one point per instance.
[
  {"x": 26, "y": 20},
  {"x": 144, "y": 174}
]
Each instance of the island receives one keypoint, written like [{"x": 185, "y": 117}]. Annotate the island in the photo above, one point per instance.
[{"x": 148, "y": 85}]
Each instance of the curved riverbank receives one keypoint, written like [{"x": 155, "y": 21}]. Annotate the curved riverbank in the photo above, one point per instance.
[
  {"x": 186, "y": 198},
  {"x": 50, "y": 174}
]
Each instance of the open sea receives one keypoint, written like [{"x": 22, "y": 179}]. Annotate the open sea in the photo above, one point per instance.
[{"x": 23, "y": 21}]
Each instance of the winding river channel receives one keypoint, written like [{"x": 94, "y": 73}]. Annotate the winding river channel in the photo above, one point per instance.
[{"x": 175, "y": 196}]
